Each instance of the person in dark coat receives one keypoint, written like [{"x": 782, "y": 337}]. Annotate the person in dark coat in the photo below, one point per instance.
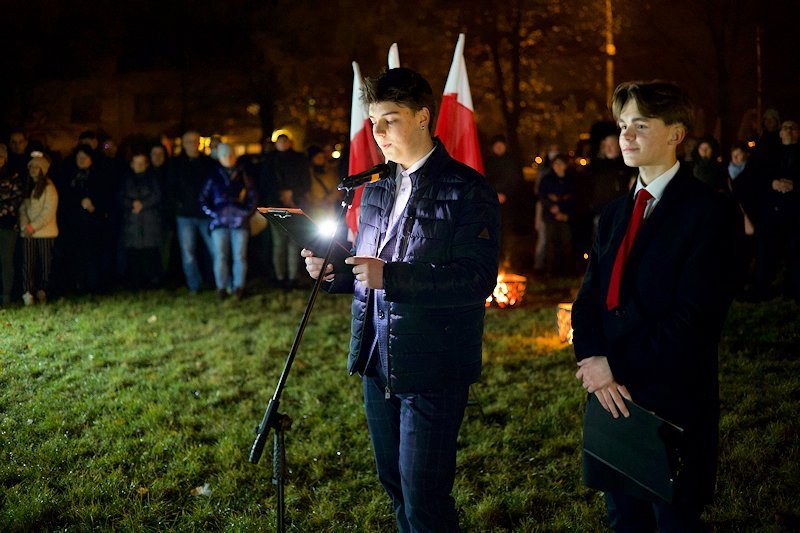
[
  {"x": 609, "y": 175},
  {"x": 426, "y": 258},
  {"x": 290, "y": 182},
  {"x": 769, "y": 143},
  {"x": 650, "y": 311},
  {"x": 229, "y": 198},
  {"x": 19, "y": 153},
  {"x": 11, "y": 193},
  {"x": 169, "y": 245},
  {"x": 778, "y": 230},
  {"x": 87, "y": 197},
  {"x": 743, "y": 183},
  {"x": 557, "y": 195},
  {"x": 743, "y": 176},
  {"x": 517, "y": 205},
  {"x": 141, "y": 226},
  {"x": 186, "y": 175},
  {"x": 707, "y": 167}
]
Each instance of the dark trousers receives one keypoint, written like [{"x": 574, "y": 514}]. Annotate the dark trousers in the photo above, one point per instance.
[
  {"x": 37, "y": 259},
  {"x": 558, "y": 248},
  {"x": 627, "y": 514},
  {"x": 144, "y": 268},
  {"x": 778, "y": 241},
  {"x": 80, "y": 255},
  {"x": 414, "y": 440}
]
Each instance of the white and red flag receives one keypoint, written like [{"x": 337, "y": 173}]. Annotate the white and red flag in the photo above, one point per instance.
[
  {"x": 456, "y": 124},
  {"x": 364, "y": 153}
]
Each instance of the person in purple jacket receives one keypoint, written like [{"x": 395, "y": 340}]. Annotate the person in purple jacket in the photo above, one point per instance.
[{"x": 229, "y": 197}]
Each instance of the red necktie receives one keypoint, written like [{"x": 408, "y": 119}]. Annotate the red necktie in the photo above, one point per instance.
[{"x": 612, "y": 299}]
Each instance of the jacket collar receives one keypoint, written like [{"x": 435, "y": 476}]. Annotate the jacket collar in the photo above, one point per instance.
[{"x": 432, "y": 167}]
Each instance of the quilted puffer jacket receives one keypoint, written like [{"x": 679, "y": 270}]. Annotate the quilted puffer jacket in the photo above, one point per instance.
[
  {"x": 228, "y": 198},
  {"x": 443, "y": 267}
]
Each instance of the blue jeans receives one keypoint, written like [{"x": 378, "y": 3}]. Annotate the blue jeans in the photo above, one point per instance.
[
  {"x": 188, "y": 228},
  {"x": 229, "y": 242},
  {"x": 414, "y": 442},
  {"x": 285, "y": 255}
]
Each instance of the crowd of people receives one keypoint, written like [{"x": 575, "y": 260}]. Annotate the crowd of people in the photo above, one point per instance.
[
  {"x": 550, "y": 223},
  {"x": 89, "y": 223}
]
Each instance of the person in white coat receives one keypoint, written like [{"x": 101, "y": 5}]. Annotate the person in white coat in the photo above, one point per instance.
[{"x": 38, "y": 228}]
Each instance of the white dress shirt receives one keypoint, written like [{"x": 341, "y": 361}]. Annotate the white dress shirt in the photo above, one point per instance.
[
  {"x": 403, "y": 191},
  {"x": 656, "y": 187}
]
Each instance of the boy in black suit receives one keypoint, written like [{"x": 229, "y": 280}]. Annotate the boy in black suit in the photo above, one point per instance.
[{"x": 650, "y": 311}]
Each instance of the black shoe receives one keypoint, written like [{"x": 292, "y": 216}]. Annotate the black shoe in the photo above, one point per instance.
[
  {"x": 222, "y": 294},
  {"x": 239, "y": 293}
]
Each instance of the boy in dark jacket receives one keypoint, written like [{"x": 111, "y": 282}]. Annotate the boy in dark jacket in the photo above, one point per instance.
[{"x": 426, "y": 258}]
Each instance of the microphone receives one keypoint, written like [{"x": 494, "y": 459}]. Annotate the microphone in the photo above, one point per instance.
[{"x": 368, "y": 176}]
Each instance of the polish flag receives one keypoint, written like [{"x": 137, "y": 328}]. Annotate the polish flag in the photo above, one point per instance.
[
  {"x": 364, "y": 153},
  {"x": 456, "y": 124}
]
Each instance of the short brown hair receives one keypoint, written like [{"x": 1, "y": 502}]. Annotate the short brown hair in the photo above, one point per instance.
[
  {"x": 655, "y": 99},
  {"x": 402, "y": 86}
]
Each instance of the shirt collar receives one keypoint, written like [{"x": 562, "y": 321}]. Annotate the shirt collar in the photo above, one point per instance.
[
  {"x": 416, "y": 166},
  {"x": 657, "y": 186}
]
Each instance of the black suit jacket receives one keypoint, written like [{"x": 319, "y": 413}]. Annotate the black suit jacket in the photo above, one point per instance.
[{"x": 661, "y": 342}]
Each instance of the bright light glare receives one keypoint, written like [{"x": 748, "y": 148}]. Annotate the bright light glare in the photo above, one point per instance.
[
  {"x": 327, "y": 227},
  {"x": 336, "y": 154}
]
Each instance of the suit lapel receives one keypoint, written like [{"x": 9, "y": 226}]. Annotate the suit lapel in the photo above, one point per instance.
[
  {"x": 672, "y": 196},
  {"x": 619, "y": 225}
]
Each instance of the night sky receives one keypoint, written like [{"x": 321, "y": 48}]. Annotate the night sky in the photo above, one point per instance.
[{"x": 707, "y": 46}]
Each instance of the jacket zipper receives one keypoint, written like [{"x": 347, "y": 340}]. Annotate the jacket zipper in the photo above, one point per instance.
[
  {"x": 388, "y": 391},
  {"x": 371, "y": 300},
  {"x": 403, "y": 236}
]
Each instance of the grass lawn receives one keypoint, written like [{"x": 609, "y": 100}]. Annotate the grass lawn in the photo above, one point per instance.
[{"x": 136, "y": 413}]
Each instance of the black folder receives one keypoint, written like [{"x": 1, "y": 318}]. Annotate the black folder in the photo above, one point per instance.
[
  {"x": 304, "y": 232},
  {"x": 643, "y": 448}
]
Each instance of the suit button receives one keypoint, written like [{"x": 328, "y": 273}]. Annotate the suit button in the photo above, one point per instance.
[
  {"x": 380, "y": 314},
  {"x": 620, "y": 312}
]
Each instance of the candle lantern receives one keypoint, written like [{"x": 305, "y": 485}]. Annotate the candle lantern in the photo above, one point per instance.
[
  {"x": 564, "y": 322},
  {"x": 508, "y": 292}
]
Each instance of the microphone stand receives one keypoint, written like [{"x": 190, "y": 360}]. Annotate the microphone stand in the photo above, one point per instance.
[{"x": 272, "y": 418}]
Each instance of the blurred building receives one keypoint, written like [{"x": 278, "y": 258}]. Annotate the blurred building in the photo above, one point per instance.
[{"x": 157, "y": 103}]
